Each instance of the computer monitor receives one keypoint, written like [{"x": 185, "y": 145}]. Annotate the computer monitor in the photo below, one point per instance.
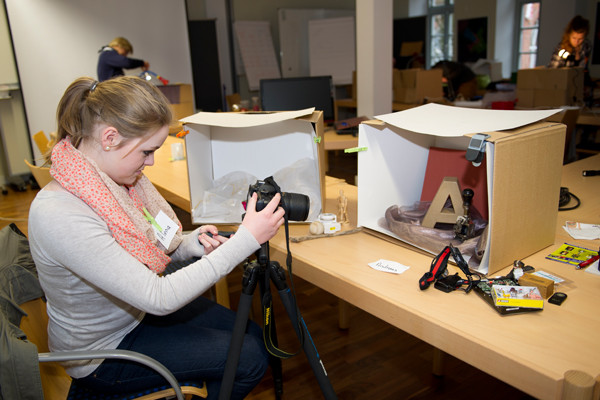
[{"x": 288, "y": 94}]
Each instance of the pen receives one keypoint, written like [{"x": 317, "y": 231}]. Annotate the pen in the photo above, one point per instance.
[
  {"x": 591, "y": 172},
  {"x": 588, "y": 262}
]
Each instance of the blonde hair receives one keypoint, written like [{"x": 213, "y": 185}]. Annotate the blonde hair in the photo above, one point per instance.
[
  {"x": 130, "y": 104},
  {"x": 122, "y": 43}
]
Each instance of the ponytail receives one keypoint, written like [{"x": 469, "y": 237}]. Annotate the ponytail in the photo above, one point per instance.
[{"x": 130, "y": 104}]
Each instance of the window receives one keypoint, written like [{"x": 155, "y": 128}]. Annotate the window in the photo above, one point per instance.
[
  {"x": 528, "y": 26},
  {"x": 441, "y": 31}
]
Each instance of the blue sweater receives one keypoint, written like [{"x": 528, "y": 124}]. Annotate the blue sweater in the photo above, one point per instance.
[{"x": 111, "y": 63}]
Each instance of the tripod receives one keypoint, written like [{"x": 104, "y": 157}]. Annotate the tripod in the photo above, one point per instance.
[{"x": 264, "y": 271}]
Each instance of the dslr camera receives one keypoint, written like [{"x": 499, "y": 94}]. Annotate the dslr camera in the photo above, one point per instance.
[{"x": 296, "y": 206}]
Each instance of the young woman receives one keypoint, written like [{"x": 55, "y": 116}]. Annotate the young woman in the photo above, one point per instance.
[
  {"x": 113, "y": 59},
  {"x": 574, "y": 49},
  {"x": 101, "y": 235}
]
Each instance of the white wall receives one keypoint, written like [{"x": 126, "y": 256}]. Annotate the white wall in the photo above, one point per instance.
[
  {"x": 57, "y": 41},
  {"x": 8, "y": 70},
  {"x": 555, "y": 15}
]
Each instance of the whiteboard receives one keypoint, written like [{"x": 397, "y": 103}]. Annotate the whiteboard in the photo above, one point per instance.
[
  {"x": 57, "y": 41},
  {"x": 258, "y": 53},
  {"x": 293, "y": 37},
  {"x": 332, "y": 48}
]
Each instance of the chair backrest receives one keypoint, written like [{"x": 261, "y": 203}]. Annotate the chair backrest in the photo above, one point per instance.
[
  {"x": 41, "y": 174},
  {"x": 56, "y": 383},
  {"x": 55, "y": 380},
  {"x": 41, "y": 141}
]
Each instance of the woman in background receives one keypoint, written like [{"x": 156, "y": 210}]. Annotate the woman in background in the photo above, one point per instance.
[
  {"x": 113, "y": 59},
  {"x": 574, "y": 48}
]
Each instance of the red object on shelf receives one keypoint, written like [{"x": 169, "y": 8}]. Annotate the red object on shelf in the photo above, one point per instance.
[{"x": 503, "y": 105}]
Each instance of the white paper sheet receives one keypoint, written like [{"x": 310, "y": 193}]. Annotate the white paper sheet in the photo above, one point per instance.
[
  {"x": 243, "y": 120},
  {"x": 388, "y": 266},
  {"x": 457, "y": 121},
  {"x": 257, "y": 51},
  {"x": 331, "y": 47},
  {"x": 594, "y": 268}
]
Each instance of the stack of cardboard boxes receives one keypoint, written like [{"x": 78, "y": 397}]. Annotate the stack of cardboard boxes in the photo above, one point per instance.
[
  {"x": 180, "y": 98},
  {"x": 546, "y": 87},
  {"x": 415, "y": 85}
]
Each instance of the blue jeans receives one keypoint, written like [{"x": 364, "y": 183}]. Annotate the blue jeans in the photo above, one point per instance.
[{"x": 192, "y": 343}]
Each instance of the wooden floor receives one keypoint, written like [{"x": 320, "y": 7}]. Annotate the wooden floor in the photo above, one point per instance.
[{"x": 370, "y": 360}]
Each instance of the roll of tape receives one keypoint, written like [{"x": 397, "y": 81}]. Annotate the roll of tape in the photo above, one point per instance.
[
  {"x": 327, "y": 217},
  {"x": 316, "y": 228}
]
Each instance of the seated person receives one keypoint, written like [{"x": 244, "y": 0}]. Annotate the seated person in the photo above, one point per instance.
[
  {"x": 461, "y": 80},
  {"x": 99, "y": 236}
]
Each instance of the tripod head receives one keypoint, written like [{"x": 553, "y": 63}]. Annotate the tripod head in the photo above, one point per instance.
[{"x": 262, "y": 255}]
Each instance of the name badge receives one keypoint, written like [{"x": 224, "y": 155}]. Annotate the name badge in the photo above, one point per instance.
[{"x": 164, "y": 229}]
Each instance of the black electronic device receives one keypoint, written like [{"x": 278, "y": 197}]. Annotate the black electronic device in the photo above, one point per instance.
[
  {"x": 226, "y": 234},
  {"x": 557, "y": 298},
  {"x": 289, "y": 94},
  {"x": 296, "y": 205},
  {"x": 565, "y": 198}
]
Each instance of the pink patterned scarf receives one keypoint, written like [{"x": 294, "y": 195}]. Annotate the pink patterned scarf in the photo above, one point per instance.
[{"x": 121, "y": 207}]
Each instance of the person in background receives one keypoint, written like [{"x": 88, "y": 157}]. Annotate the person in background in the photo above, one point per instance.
[
  {"x": 574, "y": 48},
  {"x": 113, "y": 59},
  {"x": 101, "y": 237}
]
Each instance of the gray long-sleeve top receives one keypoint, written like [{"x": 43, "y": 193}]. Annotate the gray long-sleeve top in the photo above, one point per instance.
[{"x": 97, "y": 292}]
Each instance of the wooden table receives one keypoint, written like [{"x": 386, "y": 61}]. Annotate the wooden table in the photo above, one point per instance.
[
  {"x": 170, "y": 177},
  {"x": 589, "y": 116},
  {"x": 529, "y": 351},
  {"x": 351, "y": 103},
  {"x": 335, "y": 141}
]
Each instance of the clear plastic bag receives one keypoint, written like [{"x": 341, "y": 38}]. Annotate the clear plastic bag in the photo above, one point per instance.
[{"x": 405, "y": 222}]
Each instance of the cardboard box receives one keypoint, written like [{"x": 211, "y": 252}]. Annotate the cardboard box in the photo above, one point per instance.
[
  {"x": 182, "y": 110},
  {"x": 226, "y": 152},
  {"x": 524, "y": 166},
  {"x": 490, "y": 68},
  {"x": 414, "y": 85},
  {"x": 549, "y": 87},
  {"x": 181, "y": 99},
  {"x": 544, "y": 285}
]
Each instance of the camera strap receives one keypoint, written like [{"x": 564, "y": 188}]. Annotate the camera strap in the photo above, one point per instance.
[
  {"x": 267, "y": 301},
  {"x": 437, "y": 269},
  {"x": 439, "y": 266}
]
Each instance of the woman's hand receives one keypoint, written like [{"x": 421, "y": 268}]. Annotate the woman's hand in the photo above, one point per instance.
[
  {"x": 210, "y": 242},
  {"x": 263, "y": 225}
]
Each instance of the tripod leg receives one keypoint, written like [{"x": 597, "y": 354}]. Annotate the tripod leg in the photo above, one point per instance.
[
  {"x": 239, "y": 330},
  {"x": 278, "y": 277},
  {"x": 274, "y": 362}
]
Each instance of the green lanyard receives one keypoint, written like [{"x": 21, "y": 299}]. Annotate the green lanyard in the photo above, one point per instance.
[{"x": 151, "y": 219}]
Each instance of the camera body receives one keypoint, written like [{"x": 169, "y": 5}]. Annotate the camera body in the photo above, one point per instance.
[{"x": 296, "y": 206}]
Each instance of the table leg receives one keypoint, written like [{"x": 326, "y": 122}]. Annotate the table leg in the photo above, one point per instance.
[{"x": 343, "y": 314}]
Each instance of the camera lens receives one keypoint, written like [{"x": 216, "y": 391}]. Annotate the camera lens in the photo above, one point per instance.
[{"x": 296, "y": 206}]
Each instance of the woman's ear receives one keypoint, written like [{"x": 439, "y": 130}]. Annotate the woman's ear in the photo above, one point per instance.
[{"x": 110, "y": 137}]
